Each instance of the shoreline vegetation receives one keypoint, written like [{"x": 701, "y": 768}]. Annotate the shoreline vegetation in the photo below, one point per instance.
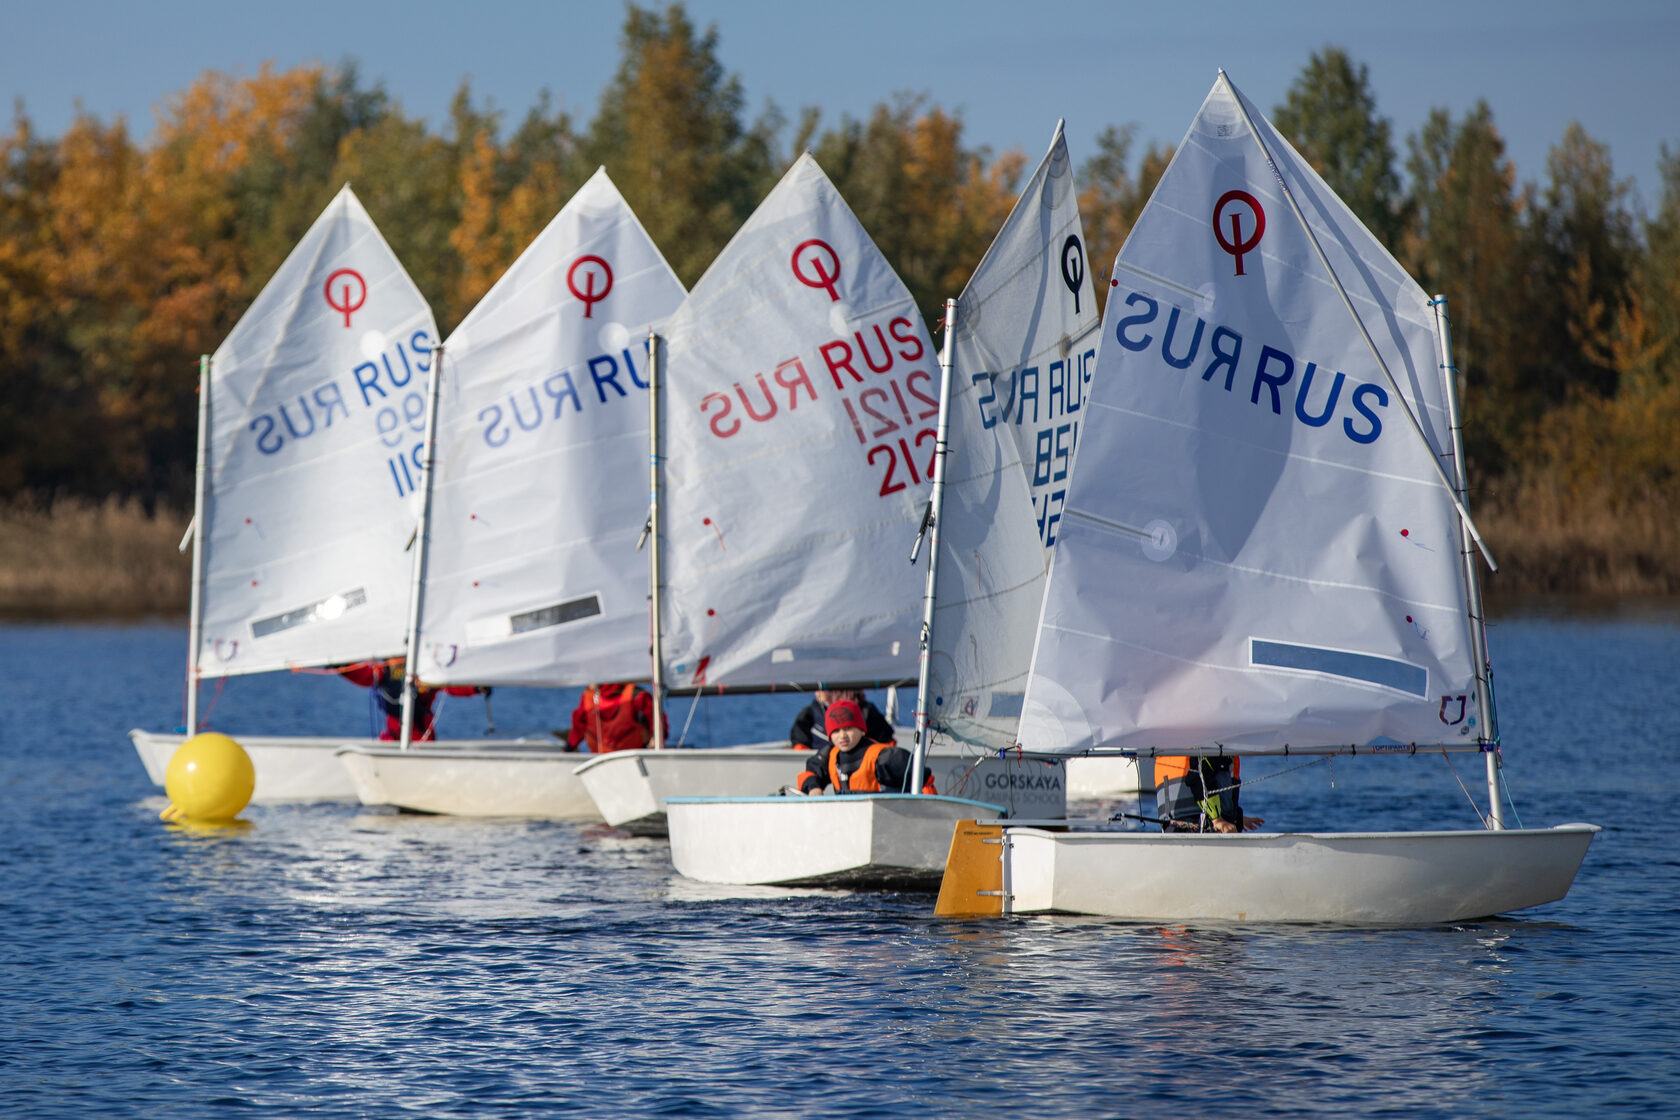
[
  {"x": 84, "y": 561},
  {"x": 123, "y": 260}
]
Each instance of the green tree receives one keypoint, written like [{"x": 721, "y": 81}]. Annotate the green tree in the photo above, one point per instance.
[
  {"x": 1330, "y": 116},
  {"x": 669, "y": 131},
  {"x": 1111, "y": 195},
  {"x": 407, "y": 179},
  {"x": 931, "y": 205},
  {"x": 1467, "y": 242},
  {"x": 1585, "y": 249},
  {"x": 1657, "y": 278}
]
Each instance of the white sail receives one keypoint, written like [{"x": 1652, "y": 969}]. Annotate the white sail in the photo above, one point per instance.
[
  {"x": 1258, "y": 550},
  {"x": 317, "y": 413},
  {"x": 1025, "y": 348},
  {"x": 798, "y": 435},
  {"x": 1027, "y": 332},
  {"x": 532, "y": 572}
]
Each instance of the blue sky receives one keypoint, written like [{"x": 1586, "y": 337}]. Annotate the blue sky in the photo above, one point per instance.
[{"x": 1010, "y": 68}]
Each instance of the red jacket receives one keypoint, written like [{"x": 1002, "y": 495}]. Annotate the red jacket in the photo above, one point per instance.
[
  {"x": 387, "y": 682},
  {"x": 613, "y": 717}
]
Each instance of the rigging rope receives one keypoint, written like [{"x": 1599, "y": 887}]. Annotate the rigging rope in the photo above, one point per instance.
[{"x": 1474, "y": 808}]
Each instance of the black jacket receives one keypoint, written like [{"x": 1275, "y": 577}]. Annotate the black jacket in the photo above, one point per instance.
[{"x": 810, "y": 727}]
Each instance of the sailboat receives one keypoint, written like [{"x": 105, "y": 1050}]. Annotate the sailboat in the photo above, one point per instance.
[
  {"x": 1266, "y": 551},
  {"x": 859, "y": 839},
  {"x": 309, "y": 458},
  {"x": 1024, "y": 331},
  {"x": 530, "y": 568}
]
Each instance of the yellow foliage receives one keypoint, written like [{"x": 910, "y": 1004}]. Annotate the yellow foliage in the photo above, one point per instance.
[
  {"x": 214, "y": 122},
  {"x": 474, "y": 239}
]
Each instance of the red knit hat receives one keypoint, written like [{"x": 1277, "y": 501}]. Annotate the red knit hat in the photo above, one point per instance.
[{"x": 844, "y": 713}]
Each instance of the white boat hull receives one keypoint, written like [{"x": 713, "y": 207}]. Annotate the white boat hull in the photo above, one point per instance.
[
  {"x": 630, "y": 788},
  {"x": 299, "y": 767},
  {"x": 289, "y": 768},
  {"x": 1100, "y": 777},
  {"x": 876, "y": 840},
  {"x": 1370, "y": 878},
  {"x": 505, "y": 780}
]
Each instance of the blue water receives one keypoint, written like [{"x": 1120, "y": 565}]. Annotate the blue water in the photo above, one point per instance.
[{"x": 349, "y": 962}]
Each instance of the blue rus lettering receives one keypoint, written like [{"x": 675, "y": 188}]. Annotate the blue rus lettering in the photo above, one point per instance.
[
  {"x": 1167, "y": 342},
  {"x": 1141, "y": 319},
  {"x": 1272, "y": 371},
  {"x": 557, "y": 390},
  {"x": 988, "y": 387},
  {"x": 367, "y": 374},
  {"x": 1366, "y": 390},
  {"x": 314, "y": 408},
  {"x": 603, "y": 371},
  {"x": 1022, "y": 388},
  {"x": 1323, "y": 417},
  {"x": 1286, "y": 369},
  {"x": 1226, "y": 358},
  {"x": 1057, "y": 403}
]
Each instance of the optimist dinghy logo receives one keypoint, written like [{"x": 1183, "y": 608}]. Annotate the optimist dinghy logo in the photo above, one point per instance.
[
  {"x": 1448, "y": 715},
  {"x": 593, "y": 269},
  {"x": 1073, "y": 267},
  {"x": 346, "y": 302},
  {"x": 1238, "y": 245},
  {"x": 816, "y": 265}
]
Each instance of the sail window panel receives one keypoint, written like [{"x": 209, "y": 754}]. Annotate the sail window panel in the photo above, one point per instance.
[
  {"x": 1006, "y": 705},
  {"x": 558, "y": 615},
  {"x": 324, "y": 610},
  {"x": 500, "y": 627},
  {"x": 1385, "y": 672},
  {"x": 786, "y": 655}
]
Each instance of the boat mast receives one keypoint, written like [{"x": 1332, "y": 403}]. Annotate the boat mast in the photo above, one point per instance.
[
  {"x": 420, "y": 538},
  {"x": 930, "y": 526},
  {"x": 1488, "y": 733},
  {"x": 195, "y": 610},
  {"x": 658, "y": 648}
]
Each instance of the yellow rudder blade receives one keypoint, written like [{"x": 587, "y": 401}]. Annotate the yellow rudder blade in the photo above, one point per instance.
[{"x": 973, "y": 883}]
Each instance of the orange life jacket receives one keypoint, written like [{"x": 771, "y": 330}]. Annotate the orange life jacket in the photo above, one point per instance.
[
  {"x": 614, "y": 723},
  {"x": 1178, "y": 765},
  {"x": 863, "y": 779}
]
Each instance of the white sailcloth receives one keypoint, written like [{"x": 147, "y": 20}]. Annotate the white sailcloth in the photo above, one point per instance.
[
  {"x": 798, "y": 434},
  {"x": 532, "y": 573},
  {"x": 1257, "y": 550},
  {"x": 316, "y": 416},
  {"x": 1024, "y": 352}
]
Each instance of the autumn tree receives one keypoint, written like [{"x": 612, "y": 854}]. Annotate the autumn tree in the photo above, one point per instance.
[
  {"x": 1112, "y": 195},
  {"x": 49, "y": 417},
  {"x": 931, "y": 206},
  {"x": 669, "y": 131},
  {"x": 1584, "y": 251},
  {"x": 406, "y": 178},
  {"x": 1330, "y": 116}
]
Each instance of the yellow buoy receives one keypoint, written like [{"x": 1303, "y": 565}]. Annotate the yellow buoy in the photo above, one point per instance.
[{"x": 210, "y": 778}]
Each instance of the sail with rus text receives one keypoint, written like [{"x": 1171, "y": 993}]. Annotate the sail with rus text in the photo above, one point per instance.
[
  {"x": 1258, "y": 550},
  {"x": 316, "y": 424}
]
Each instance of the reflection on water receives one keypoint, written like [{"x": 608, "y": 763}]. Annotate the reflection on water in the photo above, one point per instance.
[{"x": 352, "y": 961}]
